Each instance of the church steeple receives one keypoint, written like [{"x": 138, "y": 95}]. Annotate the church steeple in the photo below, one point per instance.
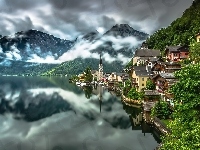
[
  {"x": 100, "y": 77},
  {"x": 100, "y": 60}
]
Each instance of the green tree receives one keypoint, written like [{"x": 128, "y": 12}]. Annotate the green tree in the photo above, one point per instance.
[
  {"x": 195, "y": 52},
  {"x": 185, "y": 126},
  {"x": 135, "y": 95},
  {"x": 150, "y": 85},
  {"x": 180, "y": 31},
  {"x": 161, "y": 110},
  {"x": 88, "y": 75},
  {"x": 130, "y": 63}
]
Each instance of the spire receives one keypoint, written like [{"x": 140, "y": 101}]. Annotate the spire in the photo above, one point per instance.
[
  {"x": 100, "y": 102},
  {"x": 100, "y": 61}
]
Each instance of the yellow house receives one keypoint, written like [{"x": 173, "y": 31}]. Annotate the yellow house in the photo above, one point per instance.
[
  {"x": 81, "y": 77},
  {"x": 140, "y": 76},
  {"x": 198, "y": 37}
]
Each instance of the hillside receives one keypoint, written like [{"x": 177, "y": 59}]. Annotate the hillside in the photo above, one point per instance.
[
  {"x": 78, "y": 65},
  {"x": 181, "y": 31},
  {"x": 10, "y": 67}
]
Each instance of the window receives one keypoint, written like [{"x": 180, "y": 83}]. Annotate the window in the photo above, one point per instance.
[
  {"x": 175, "y": 54},
  {"x": 142, "y": 79},
  {"x": 186, "y": 53},
  {"x": 199, "y": 40},
  {"x": 137, "y": 79},
  {"x": 142, "y": 84}
]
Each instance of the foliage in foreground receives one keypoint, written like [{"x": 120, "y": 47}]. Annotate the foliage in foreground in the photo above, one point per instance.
[
  {"x": 185, "y": 126},
  {"x": 161, "y": 110},
  {"x": 195, "y": 52}
]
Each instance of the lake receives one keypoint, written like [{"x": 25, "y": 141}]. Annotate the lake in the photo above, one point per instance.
[{"x": 48, "y": 113}]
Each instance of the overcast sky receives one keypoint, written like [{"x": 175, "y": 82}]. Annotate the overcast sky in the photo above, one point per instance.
[{"x": 70, "y": 18}]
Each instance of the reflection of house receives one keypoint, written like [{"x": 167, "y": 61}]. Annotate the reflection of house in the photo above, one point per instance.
[
  {"x": 176, "y": 53},
  {"x": 139, "y": 76},
  {"x": 142, "y": 55},
  {"x": 137, "y": 120}
]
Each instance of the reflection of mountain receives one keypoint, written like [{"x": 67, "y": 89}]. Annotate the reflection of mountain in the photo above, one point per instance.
[
  {"x": 34, "y": 108},
  {"x": 63, "y": 83}
]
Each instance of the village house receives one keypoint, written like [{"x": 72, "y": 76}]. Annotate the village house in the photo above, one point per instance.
[
  {"x": 95, "y": 74},
  {"x": 151, "y": 96},
  {"x": 163, "y": 82},
  {"x": 142, "y": 55},
  {"x": 81, "y": 77},
  {"x": 165, "y": 67},
  {"x": 118, "y": 77},
  {"x": 139, "y": 76},
  {"x": 176, "y": 53},
  {"x": 198, "y": 37}
]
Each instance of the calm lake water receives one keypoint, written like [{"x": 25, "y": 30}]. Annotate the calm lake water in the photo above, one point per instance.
[{"x": 41, "y": 113}]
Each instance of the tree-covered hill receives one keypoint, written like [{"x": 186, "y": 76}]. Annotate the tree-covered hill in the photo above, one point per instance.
[
  {"x": 181, "y": 31},
  {"x": 78, "y": 66}
]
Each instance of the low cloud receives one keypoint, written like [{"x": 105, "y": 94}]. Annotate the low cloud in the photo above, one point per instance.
[{"x": 84, "y": 49}]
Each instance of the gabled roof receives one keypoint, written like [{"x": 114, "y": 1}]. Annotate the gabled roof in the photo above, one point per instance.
[
  {"x": 139, "y": 68},
  {"x": 177, "y": 48},
  {"x": 123, "y": 74},
  {"x": 142, "y": 73},
  {"x": 151, "y": 92},
  {"x": 167, "y": 75},
  {"x": 147, "y": 53},
  {"x": 94, "y": 71}
]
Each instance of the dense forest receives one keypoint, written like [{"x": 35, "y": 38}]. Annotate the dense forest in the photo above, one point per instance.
[{"x": 181, "y": 31}]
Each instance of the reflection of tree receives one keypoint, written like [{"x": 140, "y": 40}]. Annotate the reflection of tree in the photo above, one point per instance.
[{"x": 88, "y": 91}]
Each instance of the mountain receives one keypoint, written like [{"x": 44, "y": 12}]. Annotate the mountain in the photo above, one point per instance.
[
  {"x": 32, "y": 44},
  {"x": 33, "y": 52},
  {"x": 108, "y": 46},
  {"x": 124, "y": 30},
  {"x": 30, "y": 52},
  {"x": 91, "y": 36},
  {"x": 181, "y": 31}
]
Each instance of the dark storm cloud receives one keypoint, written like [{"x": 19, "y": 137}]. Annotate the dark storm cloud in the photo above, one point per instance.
[{"x": 69, "y": 18}]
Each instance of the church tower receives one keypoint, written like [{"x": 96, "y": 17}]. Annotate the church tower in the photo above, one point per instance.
[{"x": 100, "y": 77}]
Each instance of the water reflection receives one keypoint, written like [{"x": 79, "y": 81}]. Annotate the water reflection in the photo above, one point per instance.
[
  {"x": 49, "y": 113},
  {"x": 88, "y": 91}
]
